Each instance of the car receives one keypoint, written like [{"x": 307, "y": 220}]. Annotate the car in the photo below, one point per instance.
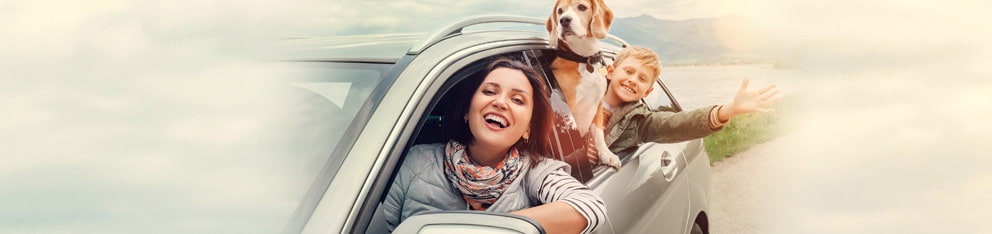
[{"x": 380, "y": 94}]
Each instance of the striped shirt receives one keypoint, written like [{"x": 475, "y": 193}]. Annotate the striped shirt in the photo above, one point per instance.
[{"x": 560, "y": 186}]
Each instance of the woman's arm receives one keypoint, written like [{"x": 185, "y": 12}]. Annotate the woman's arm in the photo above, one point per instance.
[
  {"x": 569, "y": 206},
  {"x": 556, "y": 217}
]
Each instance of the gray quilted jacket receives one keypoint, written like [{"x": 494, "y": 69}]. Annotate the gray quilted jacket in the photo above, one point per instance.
[{"x": 421, "y": 186}]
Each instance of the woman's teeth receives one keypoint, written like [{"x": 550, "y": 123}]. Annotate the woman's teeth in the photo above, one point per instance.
[{"x": 497, "y": 120}]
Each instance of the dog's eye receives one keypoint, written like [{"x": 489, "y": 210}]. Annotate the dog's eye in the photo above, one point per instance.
[
  {"x": 582, "y": 7},
  {"x": 560, "y": 10}
]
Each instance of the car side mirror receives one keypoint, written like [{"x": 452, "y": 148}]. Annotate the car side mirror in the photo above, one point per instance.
[{"x": 466, "y": 221}]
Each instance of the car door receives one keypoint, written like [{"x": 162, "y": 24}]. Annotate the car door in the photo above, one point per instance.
[
  {"x": 653, "y": 182},
  {"x": 647, "y": 195}
]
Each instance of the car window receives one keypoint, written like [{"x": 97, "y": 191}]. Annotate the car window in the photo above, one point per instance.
[
  {"x": 336, "y": 91},
  {"x": 565, "y": 138},
  {"x": 432, "y": 124},
  {"x": 324, "y": 104},
  {"x": 659, "y": 100}
]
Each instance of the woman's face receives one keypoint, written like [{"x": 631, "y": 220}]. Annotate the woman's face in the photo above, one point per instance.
[{"x": 501, "y": 108}]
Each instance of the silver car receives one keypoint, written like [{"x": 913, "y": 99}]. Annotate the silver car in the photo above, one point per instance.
[{"x": 384, "y": 93}]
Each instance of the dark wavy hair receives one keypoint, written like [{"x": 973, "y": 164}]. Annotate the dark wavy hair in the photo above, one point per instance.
[{"x": 540, "y": 123}]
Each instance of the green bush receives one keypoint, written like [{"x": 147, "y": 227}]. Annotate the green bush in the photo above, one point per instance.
[{"x": 743, "y": 132}]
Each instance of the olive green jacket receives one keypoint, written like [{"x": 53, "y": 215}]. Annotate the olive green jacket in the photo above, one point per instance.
[{"x": 633, "y": 124}]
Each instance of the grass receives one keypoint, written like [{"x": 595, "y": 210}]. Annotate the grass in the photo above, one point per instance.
[{"x": 744, "y": 132}]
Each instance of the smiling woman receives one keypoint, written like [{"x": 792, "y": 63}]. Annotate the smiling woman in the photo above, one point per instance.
[
  {"x": 526, "y": 114},
  {"x": 493, "y": 161}
]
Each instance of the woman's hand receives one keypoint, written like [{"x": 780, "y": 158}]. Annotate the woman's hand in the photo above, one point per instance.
[{"x": 749, "y": 101}]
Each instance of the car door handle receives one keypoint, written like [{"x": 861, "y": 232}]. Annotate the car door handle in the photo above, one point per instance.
[
  {"x": 669, "y": 166},
  {"x": 653, "y": 158}
]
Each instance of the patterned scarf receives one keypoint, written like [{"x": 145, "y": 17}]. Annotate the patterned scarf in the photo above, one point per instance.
[{"x": 480, "y": 185}]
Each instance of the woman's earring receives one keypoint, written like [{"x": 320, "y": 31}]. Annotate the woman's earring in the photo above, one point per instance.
[{"x": 527, "y": 135}]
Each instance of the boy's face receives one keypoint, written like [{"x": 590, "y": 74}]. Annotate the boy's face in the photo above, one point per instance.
[{"x": 629, "y": 81}]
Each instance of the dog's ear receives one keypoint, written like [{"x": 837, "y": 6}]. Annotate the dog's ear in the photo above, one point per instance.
[
  {"x": 602, "y": 18},
  {"x": 552, "y": 26}
]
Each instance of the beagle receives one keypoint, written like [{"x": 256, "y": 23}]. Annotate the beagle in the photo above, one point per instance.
[{"x": 575, "y": 28}]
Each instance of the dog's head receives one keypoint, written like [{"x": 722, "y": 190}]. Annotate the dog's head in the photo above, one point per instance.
[{"x": 576, "y": 22}]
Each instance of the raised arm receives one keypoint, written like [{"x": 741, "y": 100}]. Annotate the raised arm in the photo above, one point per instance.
[
  {"x": 748, "y": 101},
  {"x": 669, "y": 127}
]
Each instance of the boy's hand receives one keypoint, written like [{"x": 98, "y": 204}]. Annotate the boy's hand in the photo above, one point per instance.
[{"x": 748, "y": 101}]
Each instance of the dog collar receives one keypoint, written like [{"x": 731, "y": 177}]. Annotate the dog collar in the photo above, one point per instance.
[{"x": 596, "y": 58}]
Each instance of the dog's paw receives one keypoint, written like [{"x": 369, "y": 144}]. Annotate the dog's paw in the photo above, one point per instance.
[{"x": 609, "y": 158}]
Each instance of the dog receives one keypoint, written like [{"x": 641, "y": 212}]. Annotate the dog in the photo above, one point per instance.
[{"x": 575, "y": 28}]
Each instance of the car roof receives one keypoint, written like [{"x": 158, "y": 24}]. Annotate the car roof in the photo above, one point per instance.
[
  {"x": 379, "y": 48},
  {"x": 389, "y": 48}
]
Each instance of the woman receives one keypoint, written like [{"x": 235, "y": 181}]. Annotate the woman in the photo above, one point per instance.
[{"x": 495, "y": 160}]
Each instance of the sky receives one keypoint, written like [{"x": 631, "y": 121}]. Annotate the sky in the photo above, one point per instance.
[{"x": 112, "y": 101}]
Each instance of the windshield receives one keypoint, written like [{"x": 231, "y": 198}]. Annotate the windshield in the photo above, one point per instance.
[
  {"x": 325, "y": 99},
  {"x": 227, "y": 152}
]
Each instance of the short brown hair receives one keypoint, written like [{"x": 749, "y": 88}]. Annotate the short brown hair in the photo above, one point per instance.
[{"x": 649, "y": 60}]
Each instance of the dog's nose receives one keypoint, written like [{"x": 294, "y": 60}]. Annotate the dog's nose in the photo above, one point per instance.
[{"x": 564, "y": 21}]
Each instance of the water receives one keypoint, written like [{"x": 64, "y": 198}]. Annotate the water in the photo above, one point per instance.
[{"x": 701, "y": 86}]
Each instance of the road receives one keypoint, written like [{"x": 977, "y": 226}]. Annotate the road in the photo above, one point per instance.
[
  {"x": 867, "y": 153},
  {"x": 739, "y": 181},
  {"x": 737, "y": 204}
]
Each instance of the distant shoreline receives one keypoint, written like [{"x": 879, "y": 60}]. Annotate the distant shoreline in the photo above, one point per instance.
[{"x": 763, "y": 65}]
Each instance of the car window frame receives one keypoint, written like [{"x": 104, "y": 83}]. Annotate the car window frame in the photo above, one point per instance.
[
  {"x": 673, "y": 103},
  {"x": 441, "y": 83}
]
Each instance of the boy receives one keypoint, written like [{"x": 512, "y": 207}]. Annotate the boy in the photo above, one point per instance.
[{"x": 630, "y": 123}]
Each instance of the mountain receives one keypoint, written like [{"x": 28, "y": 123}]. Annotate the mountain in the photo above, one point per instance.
[{"x": 689, "y": 41}]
